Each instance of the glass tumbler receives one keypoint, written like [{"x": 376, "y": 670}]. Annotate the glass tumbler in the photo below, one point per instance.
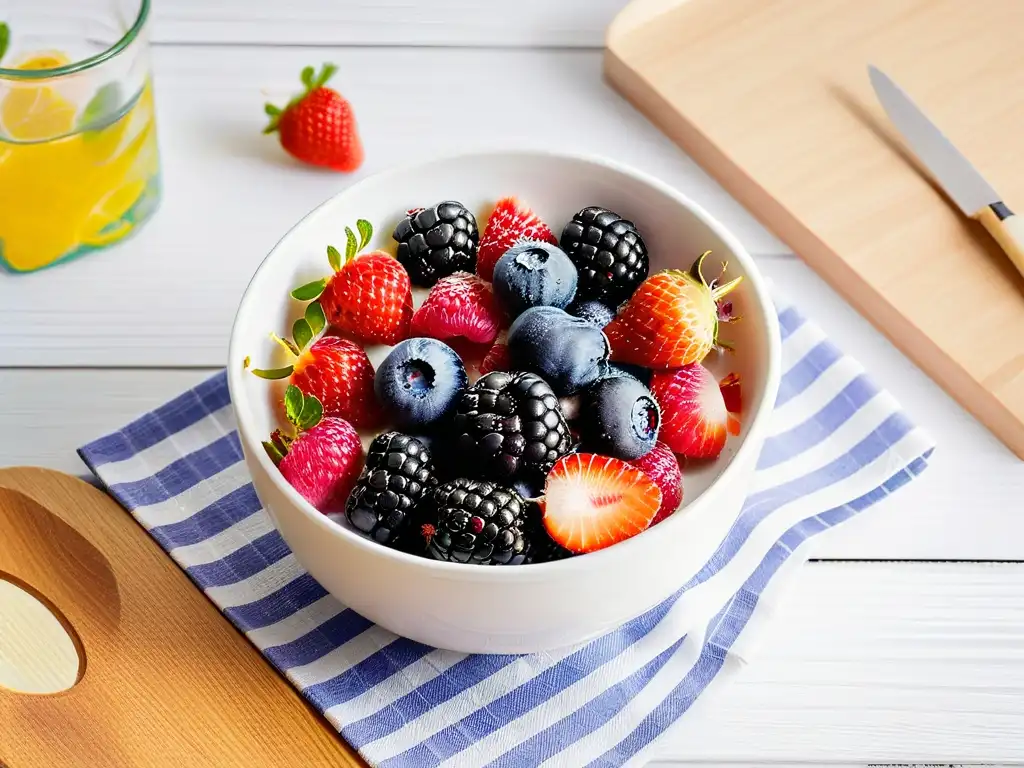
[{"x": 79, "y": 166}]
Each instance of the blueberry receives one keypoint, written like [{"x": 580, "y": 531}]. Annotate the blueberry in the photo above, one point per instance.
[
  {"x": 619, "y": 417},
  {"x": 641, "y": 374},
  {"x": 419, "y": 380},
  {"x": 596, "y": 312},
  {"x": 565, "y": 351},
  {"x": 534, "y": 275}
]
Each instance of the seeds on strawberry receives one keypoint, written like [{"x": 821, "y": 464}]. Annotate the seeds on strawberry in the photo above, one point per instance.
[
  {"x": 672, "y": 319},
  {"x": 322, "y": 458},
  {"x": 662, "y": 466},
  {"x": 460, "y": 305},
  {"x": 694, "y": 420},
  {"x": 592, "y": 502},
  {"x": 510, "y": 223},
  {"x": 338, "y": 372},
  {"x": 370, "y": 298},
  {"x": 318, "y": 126}
]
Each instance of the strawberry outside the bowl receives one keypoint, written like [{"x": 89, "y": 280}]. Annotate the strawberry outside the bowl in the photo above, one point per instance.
[{"x": 318, "y": 126}]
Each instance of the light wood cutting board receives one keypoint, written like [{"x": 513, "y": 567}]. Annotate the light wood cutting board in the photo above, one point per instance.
[
  {"x": 772, "y": 98},
  {"x": 166, "y": 680}
]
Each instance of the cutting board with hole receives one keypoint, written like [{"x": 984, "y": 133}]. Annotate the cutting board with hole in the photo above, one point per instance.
[
  {"x": 772, "y": 98},
  {"x": 163, "y": 679}
]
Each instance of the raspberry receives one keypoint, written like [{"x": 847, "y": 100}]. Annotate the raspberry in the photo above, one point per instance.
[{"x": 460, "y": 305}]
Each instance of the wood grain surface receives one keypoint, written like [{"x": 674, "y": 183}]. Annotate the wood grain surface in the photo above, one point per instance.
[
  {"x": 772, "y": 97},
  {"x": 166, "y": 680}
]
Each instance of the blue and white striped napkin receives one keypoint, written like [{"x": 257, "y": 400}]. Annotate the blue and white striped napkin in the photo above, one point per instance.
[{"x": 837, "y": 445}]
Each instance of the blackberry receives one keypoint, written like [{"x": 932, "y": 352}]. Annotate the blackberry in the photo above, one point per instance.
[
  {"x": 609, "y": 255},
  {"x": 509, "y": 425},
  {"x": 476, "y": 521},
  {"x": 437, "y": 241},
  {"x": 397, "y": 474}
]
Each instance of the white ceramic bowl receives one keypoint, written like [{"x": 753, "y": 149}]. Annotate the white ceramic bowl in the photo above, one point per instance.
[{"x": 514, "y": 609}]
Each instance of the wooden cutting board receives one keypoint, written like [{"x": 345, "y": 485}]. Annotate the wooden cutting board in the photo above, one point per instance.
[
  {"x": 166, "y": 680},
  {"x": 772, "y": 98}
]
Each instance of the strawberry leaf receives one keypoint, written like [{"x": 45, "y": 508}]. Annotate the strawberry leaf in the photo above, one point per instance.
[
  {"x": 5, "y": 38},
  {"x": 310, "y": 291},
  {"x": 273, "y": 373},
  {"x": 334, "y": 257},
  {"x": 308, "y": 73},
  {"x": 326, "y": 74},
  {"x": 288, "y": 344},
  {"x": 293, "y": 402},
  {"x": 365, "y": 232},
  {"x": 302, "y": 333},
  {"x": 312, "y": 412},
  {"x": 315, "y": 317},
  {"x": 351, "y": 247},
  {"x": 273, "y": 452},
  {"x": 271, "y": 110}
]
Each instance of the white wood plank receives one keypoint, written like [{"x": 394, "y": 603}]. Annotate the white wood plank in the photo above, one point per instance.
[
  {"x": 48, "y": 414},
  {"x": 167, "y": 297},
  {"x": 387, "y": 22},
  {"x": 967, "y": 506},
  {"x": 876, "y": 663}
]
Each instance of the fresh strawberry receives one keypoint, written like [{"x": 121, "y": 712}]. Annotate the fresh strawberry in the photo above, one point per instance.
[
  {"x": 322, "y": 459},
  {"x": 511, "y": 222},
  {"x": 591, "y": 502},
  {"x": 732, "y": 396},
  {"x": 370, "y": 298},
  {"x": 367, "y": 296},
  {"x": 318, "y": 126},
  {"x": 662, "y": 466},
  {"x": 672, "y": 319},
  {"x": 335, "y": 371},
  {"x": 694, "y": 421},
  {"x": 338, "y": 372},
  {"x": 496, "y": 359},
  {"x": 460, "y": 305}
]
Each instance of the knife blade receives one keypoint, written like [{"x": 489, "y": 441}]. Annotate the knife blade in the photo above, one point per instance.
[{"x": 962, "y": 181}]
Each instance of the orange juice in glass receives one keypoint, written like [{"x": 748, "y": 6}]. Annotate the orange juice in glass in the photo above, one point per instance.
[{"x": 79, "y": 167}]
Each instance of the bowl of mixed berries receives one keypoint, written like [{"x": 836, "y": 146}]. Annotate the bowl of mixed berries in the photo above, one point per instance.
[{"x": 504, "y": 402}]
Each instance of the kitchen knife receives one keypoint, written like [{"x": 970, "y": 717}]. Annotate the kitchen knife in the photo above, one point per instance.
[{"x": 954, "y": 172}]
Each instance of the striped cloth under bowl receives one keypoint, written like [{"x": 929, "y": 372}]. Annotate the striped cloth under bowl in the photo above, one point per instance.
[{"x": 837, "y": 445}]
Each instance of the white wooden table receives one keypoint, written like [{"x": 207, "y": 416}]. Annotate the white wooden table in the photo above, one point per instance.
[{"x": 904, "y": 642}]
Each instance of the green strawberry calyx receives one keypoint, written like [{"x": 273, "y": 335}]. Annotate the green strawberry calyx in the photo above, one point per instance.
[
  {"x": 311, "y": 80},
  {"x": 303, "y": 413},
  {"x": 353, "y": 245},
  {"x": 723, "y": 310},
  {"x": 304, "y": 330}
]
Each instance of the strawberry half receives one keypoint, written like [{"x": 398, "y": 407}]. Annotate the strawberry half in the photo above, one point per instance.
[
  {"x": 694, "y": 420},
  {"x": 662, "y": 466},
  {"x": 591, "y": 502},
  {"x": 511, "y": 222},
  {"x": 318, "y": 126},
  {"x": 460, "y": 305},
  {"x": 671, "y": 320},
  {"x": 322, "y": 459}
]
